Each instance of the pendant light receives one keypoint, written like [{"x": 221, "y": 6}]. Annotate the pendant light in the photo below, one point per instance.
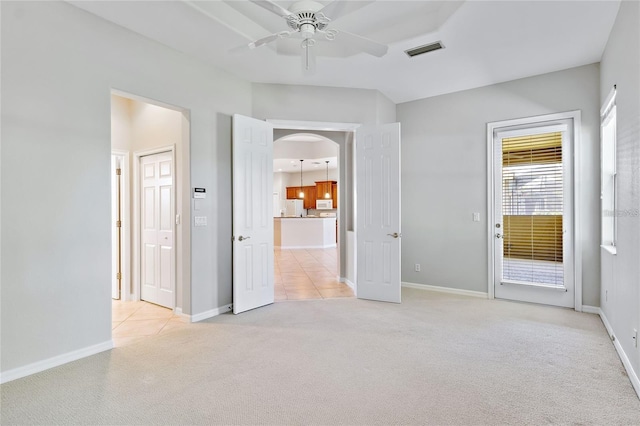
[
  {"x": 301, "y": 194},
  {"x": 327, "y": 194}
]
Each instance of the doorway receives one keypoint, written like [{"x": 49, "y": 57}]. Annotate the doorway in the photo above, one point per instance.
[
  {"x": 152, "y": 140},
  {"x": 532, "y": 215},
  {"x": 306, "y": 209},
  {"x": 377, "y": 184}
]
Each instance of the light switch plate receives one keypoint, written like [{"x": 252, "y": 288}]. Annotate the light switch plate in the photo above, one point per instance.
[
  {"x": 476, "y": 217},
  {"x": 200, "y": 221}
]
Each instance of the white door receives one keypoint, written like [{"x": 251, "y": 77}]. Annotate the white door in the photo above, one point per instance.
[
  {"x": 378, "y": 212},
  {"x": 157, "y": 257},
  {"x": 252, "y": 213},
  {"x": 533, "y": 212}
]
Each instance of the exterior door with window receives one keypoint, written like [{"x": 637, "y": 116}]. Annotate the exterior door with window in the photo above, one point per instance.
[{"x": 533, "y": 212}]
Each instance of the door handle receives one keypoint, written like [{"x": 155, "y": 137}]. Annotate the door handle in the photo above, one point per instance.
[
  {"x": 241, "y": 238},
  {"x": 395, "y": 235},
  {"x": 499, "y": 236}
]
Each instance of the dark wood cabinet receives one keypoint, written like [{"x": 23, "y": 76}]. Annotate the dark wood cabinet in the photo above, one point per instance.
[
  {"x": 330, "y": 186},
  {"x": 292, "y": 192},
  {"x": 309, "y": 200}
]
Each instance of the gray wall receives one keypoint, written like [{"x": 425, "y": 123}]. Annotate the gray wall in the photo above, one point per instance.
[
  {"x": 328, "y": 104},
  {"x": 58, "y": 66},
  {"x": 621, "y": 273},
  {"x": 444, "y": 173}
]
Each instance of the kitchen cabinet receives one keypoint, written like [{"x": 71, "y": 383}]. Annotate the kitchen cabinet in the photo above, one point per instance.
[
  {"x": 309, "y": 199},
  {"x": 292, "y": 192},
  {"x": 330, "y": 186},
  {"x": 334, "y": 195}
]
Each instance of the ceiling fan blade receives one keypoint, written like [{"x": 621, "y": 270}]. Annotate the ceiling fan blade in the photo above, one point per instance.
[
  {"x": 339, "y": 8},
  {"x": 272, "y": 7},
  {"x": 361, "y": 43},
  {"x": 261, "y": 42}
]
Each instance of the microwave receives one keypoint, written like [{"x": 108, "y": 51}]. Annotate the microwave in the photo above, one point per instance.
[{"x": 324, "y": 204}]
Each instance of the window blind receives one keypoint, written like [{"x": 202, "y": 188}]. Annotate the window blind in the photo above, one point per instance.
[{"x": 532, "y": 209}]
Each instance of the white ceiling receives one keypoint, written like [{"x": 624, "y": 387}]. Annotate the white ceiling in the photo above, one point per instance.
[{"x": 486, "y": 42}]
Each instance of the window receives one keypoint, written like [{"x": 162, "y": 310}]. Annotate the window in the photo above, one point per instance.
[
  {"x": 608, "y": 171},
  {"x": 532, "y": 208}
]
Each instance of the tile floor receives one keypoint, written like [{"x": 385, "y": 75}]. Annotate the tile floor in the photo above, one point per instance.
[
  {"x": 299, "y": 275},
  {"x": 133, "y": 321},
  {"x": 308, "y": 274}
]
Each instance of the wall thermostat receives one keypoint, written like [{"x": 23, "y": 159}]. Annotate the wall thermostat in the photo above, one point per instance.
[{"x": 199, "y": 193}]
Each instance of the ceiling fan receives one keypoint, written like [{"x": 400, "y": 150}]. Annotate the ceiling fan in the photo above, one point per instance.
[{"x": 311, "y": 22}]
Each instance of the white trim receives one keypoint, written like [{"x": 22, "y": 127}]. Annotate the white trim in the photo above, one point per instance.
[
  {"x": 613, "y": 250},
  {"x": 211, "y": 313},
  {"x": 633, "y": 377},
  {"x": 492, "y": 127},
  {"x": 348, "y": 282},
  {"x": 137, "y": 155},
  {"x": 608, "y": 102},
  {"x": 125, "y": 290},
  {"x": 184, "y": 317},
  {"x": 577, "y": 187},
  {"x": 591, "y": 309},
  {"x": 527, "y": 131},
  {"x": 55, "y": 361},
  {"x": 448, "y": 290},
  {"x": 313, "y": 125}
]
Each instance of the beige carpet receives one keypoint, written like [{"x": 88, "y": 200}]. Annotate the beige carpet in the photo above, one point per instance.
[{"x": 434, "y": 359}]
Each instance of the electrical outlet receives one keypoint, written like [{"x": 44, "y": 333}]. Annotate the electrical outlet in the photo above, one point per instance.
[
  {"x": 476, "y": 217},
  {"x": 417, "y": 267},
  {"x": 606, "y": 295}
]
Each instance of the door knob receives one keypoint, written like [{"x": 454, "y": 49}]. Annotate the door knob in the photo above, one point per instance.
[
  {"x": 241, "y": 238},
  {"x": 395, "y": 235}
]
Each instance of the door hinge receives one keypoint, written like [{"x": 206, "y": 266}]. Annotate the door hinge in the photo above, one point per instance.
[
  {"x": 118, "y": 224},
  {"x": 119, "y": 276},
  {"x": 118, "y": 172}
]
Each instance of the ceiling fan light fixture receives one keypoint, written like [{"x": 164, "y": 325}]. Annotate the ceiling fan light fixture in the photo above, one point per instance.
[
  {"x": 308, "y": 56},
  {"x": 301, "y": 193},
  {"x": 327, "y": 194}
]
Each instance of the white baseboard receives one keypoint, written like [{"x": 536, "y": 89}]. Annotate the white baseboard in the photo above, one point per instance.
[
  {"x": 349, "y": 283},
  {"x": 590, "y": 309},
  {"x": 211, "y": 313},
  {"x": 633, "y": 376},
  {"x": 55, "y": 361},
  {"x": 184, "y": 317},
  {"x": 449, "y": 290}
]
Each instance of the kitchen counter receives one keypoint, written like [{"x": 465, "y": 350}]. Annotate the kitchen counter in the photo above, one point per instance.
[{"x": 304, "y": 232}]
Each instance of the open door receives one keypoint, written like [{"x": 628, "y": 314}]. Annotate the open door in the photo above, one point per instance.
[
  {"x": 378, "y": 212},
  {"x": 252, "y": 213}
]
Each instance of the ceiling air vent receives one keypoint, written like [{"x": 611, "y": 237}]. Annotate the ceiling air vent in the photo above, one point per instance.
[{"x": 424, "y": 49}]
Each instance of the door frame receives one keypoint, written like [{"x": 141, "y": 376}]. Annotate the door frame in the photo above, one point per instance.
[
  {"x": 125, "y": 289},
  {"x": 343, "y": 238},
  {"x": 575, "y": 117},
  {"x": 137, "y": 155}
]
